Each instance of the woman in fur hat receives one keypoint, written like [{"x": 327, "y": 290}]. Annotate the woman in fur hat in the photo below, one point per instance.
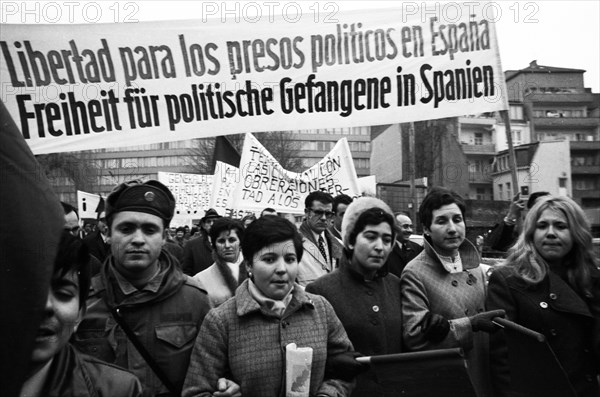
[{"x": 364, "y": 296}]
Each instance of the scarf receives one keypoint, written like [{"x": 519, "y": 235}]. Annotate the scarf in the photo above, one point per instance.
[
  {"x": 272, "y": 306},
  {"x": 225, "y": 271}
]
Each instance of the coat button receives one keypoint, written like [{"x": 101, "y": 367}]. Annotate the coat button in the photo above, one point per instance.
[
  {"x": 370, "y": 293},
  {"x": 375, "y": 308},
  {"x": 374, "y": 322},
  {"x": 470, "y": 282},
  {"x": 553, "y": 332},
  {"x": 543, "y": 305},
  {"x": 553, "y": 296},
  {"x": 455, "y": 283}
]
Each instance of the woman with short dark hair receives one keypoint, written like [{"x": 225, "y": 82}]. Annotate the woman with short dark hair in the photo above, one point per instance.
[
  {"x": 241, "y": 345},
  {"x": 444, "y": 287},
  {"x": 550, "y": 283}
]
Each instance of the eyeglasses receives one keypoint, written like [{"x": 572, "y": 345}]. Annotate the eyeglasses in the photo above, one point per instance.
[{"x": 320, "y": 213}]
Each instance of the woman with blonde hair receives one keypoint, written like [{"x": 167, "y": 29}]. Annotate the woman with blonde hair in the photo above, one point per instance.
[{"x": 550, "y": 283}]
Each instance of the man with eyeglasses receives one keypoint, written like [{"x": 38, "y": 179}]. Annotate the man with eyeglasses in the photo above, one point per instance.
[{"x": 321, "y": 250}]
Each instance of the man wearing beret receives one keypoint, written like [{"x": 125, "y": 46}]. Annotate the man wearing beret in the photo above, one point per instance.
[{"x": 143, "y": 312}]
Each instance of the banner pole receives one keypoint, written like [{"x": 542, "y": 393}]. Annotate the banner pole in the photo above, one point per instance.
[
  {"x": 411, "y": 144},
  {"x": 511, "y": 152}
]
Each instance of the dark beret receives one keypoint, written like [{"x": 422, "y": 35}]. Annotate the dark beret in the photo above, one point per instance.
[{"x": 151, "y": 197}]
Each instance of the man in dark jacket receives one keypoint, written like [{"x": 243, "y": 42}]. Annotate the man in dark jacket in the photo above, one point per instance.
[
  {"x": 143, "y": 312},
  {"x": 404, "y": 250},
  {"x": 97, "y": 241},
  {"x": 197, "y": 252}
]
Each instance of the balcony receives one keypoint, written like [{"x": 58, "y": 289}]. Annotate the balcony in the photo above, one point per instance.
[
  {"x": 580, "y": 194},
  {"x": 479, "y": 149},
  {"x": 585, "y": 169},
  {"x": 479, "y": 177},
  {"x": 478, "y": 120},
  {"x": 585, "y": 145},
  {"x": 560, "y": 122}
]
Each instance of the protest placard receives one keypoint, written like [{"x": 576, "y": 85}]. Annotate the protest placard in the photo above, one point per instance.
[
  {"x": 226, "y": 179},
  {"x": 87, "y": 204},
  {"x": 77, "y": 87},
  {"x": 263, "y": 182},
  {"x": 192, "y": 194}
]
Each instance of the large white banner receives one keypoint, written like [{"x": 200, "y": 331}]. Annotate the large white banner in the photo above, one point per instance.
[
  {"x": 192, "y": 194},
  {"x": 76, "y": 87},
  {"x": 263, "y": 182}
]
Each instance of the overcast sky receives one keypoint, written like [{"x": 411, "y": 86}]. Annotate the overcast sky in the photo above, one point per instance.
[{"x": 555, "y": 33}]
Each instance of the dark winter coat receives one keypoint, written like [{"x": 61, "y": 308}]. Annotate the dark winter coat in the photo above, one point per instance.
[
  {"x": 570, "y": 323},
  {"x": 166, "y": 323}
]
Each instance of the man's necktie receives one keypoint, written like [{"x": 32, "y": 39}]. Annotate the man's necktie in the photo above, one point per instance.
[{"x": 322, "y": 248}]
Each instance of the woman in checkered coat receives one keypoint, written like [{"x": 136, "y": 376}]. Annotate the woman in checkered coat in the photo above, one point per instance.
[
  {"x": 241, "y": 345},
  {"x": 443, "y": 289}
]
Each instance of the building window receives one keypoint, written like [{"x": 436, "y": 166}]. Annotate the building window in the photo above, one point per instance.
[
  {"x": 516, "y": 112},
  {"x": 478, "y": 138},
  {"x": 583, "y": 184},
  {"x": 516, "y": 137},
  {"x": 562, "y": 182},
  {"x": 508, "y": 191},
  {"x": 480, "y": 193},
  {"x": 500, "y": 192},
  {"x": 361, "y": 163}
]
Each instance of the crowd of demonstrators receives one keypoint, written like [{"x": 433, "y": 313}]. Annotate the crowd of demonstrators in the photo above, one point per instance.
[
  {"x": 240, "y": 346},
  {"x": 403, "y": 250},
  {"x": 222, "y": 278},
  {"x": 347, "y": 282},
  {"x": 444, "y": 288},
  {"x": 322, "y": 251},
  {"x": 550, "y": 283},
  {"x": 363, "y": 294},
  {"x": 143, "y": 313},
  {"x": 56, "y": 368}
]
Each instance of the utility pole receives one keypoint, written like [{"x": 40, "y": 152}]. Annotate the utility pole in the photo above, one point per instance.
[{"x": 411, "y": 151}]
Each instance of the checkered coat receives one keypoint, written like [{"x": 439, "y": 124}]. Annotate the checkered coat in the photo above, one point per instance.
[
  {"x": 426, "y": 286},
  {"x": 241, "y": 342}
]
